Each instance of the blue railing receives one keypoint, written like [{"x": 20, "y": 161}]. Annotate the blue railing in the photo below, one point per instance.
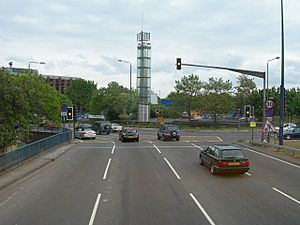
[{"x": 12, "y": 158}]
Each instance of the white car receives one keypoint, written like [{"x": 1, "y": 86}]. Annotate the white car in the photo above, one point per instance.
[
  {"x": 287, "y": 127},
  {"x": 85, "y": 132},
  {"x": 115, "y": 127}
]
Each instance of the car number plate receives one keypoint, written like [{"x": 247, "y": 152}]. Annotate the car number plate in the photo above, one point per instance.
[{"x": 234, "y": 163}]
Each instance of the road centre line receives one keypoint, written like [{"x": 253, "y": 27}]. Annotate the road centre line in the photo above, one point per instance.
[
  {"x": 157, "y": 148},
  {"x": 106, "y": 170},
  {"x": 274, "y": 158},
  {"x": 171, "y": 167},
  {"x": 95, "y": 210},
  {"x": 248, "y": 174},
  {"x": 286, "y": 195},
  {"x": 113, "y": 149},
  {"x": 197, "y": 146},
  {"x": 202, "y": 210}
]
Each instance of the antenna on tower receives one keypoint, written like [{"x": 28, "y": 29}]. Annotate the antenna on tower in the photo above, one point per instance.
[{"x": 142, "y": 21}]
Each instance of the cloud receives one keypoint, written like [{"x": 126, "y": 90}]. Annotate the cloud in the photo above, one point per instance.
[{"x": 86, "y": 38}]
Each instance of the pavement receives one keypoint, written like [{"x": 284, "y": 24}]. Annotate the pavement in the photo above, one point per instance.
[{"x": 19, "y": 172}]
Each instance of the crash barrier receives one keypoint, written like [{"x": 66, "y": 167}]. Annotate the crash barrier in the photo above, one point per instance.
[{"x": 15, "y": 157}]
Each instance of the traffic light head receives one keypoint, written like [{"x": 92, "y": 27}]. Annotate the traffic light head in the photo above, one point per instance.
[
  {"x": 70, "y": 113},
  {"x": 178, "y": 63},
  {"x": 247, "y": 111}
]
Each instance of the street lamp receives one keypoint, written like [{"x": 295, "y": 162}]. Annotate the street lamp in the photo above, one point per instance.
[
  {"x": 282, "y": 98},
  {"x": 35, "y": 63},
  {"x": 268, "y": 74},
  {"x": 130, "y": 70}
]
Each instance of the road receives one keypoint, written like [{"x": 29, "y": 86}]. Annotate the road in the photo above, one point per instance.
[{"x": 105, "y": 181}]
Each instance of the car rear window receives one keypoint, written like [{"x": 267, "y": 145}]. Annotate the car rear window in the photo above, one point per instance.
[
  {"x": 233, "y": 153},
  {"x": 130, "y": 131}
]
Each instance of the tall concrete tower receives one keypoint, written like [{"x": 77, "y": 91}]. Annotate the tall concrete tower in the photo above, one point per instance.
[{"x": 144, "y": 76}]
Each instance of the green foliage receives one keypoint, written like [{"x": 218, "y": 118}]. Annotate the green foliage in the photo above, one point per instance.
[
  {"x": 14, "y": 108},
  {"x": 115, "y": 102},
  {"x": 244, "y": 90},
  {"x": 81, "y": 92}
]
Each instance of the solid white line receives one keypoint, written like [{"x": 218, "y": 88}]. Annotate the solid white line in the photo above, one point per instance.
[
  {"x": 113, "y": 142},
  {"x": 150, "y": 142},
  {"x": 197, "y": 146},
  {"x": 271, "y": 157},
  {"x": 92, "y": 147},
  {"x": 286, "y": 195},
  {"x": 220, "y": 139},
  {"x": 202, "y": 210},
  {"x": 95, "y": 210},
  {"x": 174, "y": 171},
  {"x": 113, "y": 150},
  {"x": 157, "y": 148},
  {"x": 105, "y": 173},
  {"x": 248, "y": 174}
]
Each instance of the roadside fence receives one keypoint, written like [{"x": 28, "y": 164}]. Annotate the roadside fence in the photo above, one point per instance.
[{"x": 12, "y": 158}]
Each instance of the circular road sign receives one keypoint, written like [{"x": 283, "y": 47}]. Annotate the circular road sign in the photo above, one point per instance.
[{"x": 269, "y": 104}]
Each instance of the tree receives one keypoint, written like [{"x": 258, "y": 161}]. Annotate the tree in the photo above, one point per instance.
[
  {"x": 115, "y": 102},
  {"x": 14, "y": 108},
  {"x": 44, "y": 101},
  {"x": 188, "y": 90},
  {"x": 244, "y": 90},
  {"x": 81, "y": 92},
  {"x": 218, "y": 96}
]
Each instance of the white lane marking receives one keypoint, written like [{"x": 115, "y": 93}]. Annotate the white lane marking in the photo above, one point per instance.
[
  {"x": 157, "y": 148},
  {"x": 95, "y": 210},
  {"x": 113, "y": 142},
  {"x": 9, "y": 198},
  {"x": 271, "y": 157},
  {"x": 220, "y": 138},
  {"x": 286, "y": 195},
  {"x": 171, "y": 167},
  {"x": 248, "y": 174},
  {"x": 197, "y": 146},
  {"x": 150, "y": 142},
  {"x": 92, "y": 147},
  {"x": 202, "y": 210},
  {"x": 113, "y": 150},
  {"x": 106, "y": 170}
]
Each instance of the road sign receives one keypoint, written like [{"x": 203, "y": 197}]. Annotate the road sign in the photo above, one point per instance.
[
  {"x": 268, "y": 127},
  {"x": 252, "y": 124},
  {"x": 269, "y": 104}
]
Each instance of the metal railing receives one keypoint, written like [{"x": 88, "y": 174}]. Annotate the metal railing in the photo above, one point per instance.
[{"x": 12, "y": 158}]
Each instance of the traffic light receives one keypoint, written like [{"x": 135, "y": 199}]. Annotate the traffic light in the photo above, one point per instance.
[
  {"x": 247, "y": 111},
  {"x": 178, "y": 63},
  {"x": 157, "y": 113},
  {"x": 70, "y": 113}
]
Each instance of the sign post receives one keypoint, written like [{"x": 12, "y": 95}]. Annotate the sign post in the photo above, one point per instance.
[{"x": 252, "y": 126}]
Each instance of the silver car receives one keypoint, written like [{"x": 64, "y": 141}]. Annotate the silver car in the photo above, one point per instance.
[{"x": 85, "y": 132}]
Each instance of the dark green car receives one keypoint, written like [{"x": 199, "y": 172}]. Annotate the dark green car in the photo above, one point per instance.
[{"x": 224, "y": 159}]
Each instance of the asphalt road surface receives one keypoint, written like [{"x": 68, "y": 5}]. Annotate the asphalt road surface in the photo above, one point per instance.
[{"x": 105, "y": 181}]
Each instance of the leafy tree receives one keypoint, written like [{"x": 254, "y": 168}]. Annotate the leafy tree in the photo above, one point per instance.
[
  {"x": 115, "y": 102},
  {"x": 292, "y": 103},
  {"x": 188, "y": 89},
  {"x": 81, "y": 92},
  {"x": 218, "y": 96},
  {"x": 14, "y": 108},
  {"x": 44, "y": 100},
  {"x": 244, "y": 90}
]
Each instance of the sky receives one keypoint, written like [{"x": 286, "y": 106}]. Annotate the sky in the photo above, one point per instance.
[{"x": 87, "y": 38}]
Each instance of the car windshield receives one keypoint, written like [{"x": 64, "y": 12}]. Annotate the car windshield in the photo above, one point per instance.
[
  {"x": 233, "y": 153},
  {"x": 172, "y": 127}
]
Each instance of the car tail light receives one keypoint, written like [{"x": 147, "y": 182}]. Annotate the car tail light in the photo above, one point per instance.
[
  {"x": 222, "y": 163},
  {"x": 245, "y": 163}
]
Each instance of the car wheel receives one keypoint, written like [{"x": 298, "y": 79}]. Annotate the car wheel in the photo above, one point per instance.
[
  {"x": 288, "y": 137},
  {"x": 137, "y": 140},
  {"x": 164, "y": 138},
  {"x": 177, "y": 139},
  {"x": 212, "y": 169},
  {"x": 158, "y": 138},
  {"x": 201, "y": 161}
]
